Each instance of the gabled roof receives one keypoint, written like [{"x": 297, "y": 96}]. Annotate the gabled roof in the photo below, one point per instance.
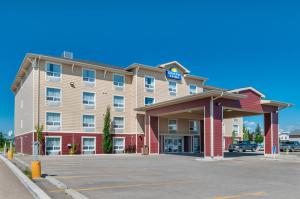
[
  {"x": 275, "y": 103},
  {"x": 186, "y": 71},
  {"x": 247, "y": 88}
]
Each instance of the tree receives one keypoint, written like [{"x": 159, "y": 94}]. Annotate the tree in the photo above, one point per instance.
[
  {"x": 257, "y": 129},
  {"x": 39, "y": 132},
  {"x": 245, "y": 134},
  {"x": 259, "y": 138},
  {"x": 107, "y": 141},
  {"x": 2, "y": 139}
]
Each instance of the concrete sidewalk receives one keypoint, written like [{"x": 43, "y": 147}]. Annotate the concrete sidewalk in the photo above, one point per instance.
[{"x": 10, "y": 186}]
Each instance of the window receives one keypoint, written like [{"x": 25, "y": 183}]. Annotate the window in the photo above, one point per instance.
[
  {"x": 53, "y": 121},
  {"x": 236, "y": 128},
  {"x": 88, "y": 122},
  {"x": 118, "y": 145},
  {"x": 149, "y": 101},
  {"x": 53, "y": 145},
  {"x": 118, "y": 123},
  {"x": 119, "y": 103},
  {"x": 53, "y": 71},
  {"x": 53, "y": 95},
  {"x": 193, "y": 125},
  {"x": 172, "y": 88},
  {"x": 88, "y": 145},
  {"x": 88, "y": 76},
  {"x": 118, "y": 81},
  {"x": 192, "y": 89},
  {"x": 172, "y": 126},
  {"x": 88, "y": 99},
  {"x": 149, "y": 84}
]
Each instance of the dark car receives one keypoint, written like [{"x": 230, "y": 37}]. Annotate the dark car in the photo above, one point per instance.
[
  {"x": 290, "y": 146},
  {"x": 242, "y": 146}
]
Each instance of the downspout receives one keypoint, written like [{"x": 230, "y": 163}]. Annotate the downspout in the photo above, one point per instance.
[{"x": 212, "y": 124}]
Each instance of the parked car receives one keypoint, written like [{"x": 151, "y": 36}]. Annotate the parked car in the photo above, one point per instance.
[
  {"x": 242, "y": 146},
  {"x": 290, "y": 146},
  {"x": 260, "y": 147}
]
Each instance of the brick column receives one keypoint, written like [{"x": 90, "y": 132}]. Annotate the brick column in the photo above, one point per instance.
[
  {"x": 213, "y": 130},
  {"x": 151, "y": 129},
  {"x": 271, "y": 132}
]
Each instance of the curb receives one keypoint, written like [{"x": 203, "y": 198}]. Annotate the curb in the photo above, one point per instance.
[
  {"x": 36, "y": 191},
  {"x": 60, "y": 185}
]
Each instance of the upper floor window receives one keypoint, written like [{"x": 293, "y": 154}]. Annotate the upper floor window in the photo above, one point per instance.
[
  {"x": 172, "y": 88},
  {"x": 53, "y": 96},
  {"x": 118, "y": 81},
  {"x": 119, "y": 103},
  {"x": 149, "y": 83},
  {"x": 192, "y": 89},
  {"x": 172, "y": 126},
  {"x": 88, "y": 99},
  {"x": 53, "y": 121},
  {"x": 53, "y": 71},
  {"x": 193, "y": 125},
  {"x": 88, "y": 122},
  {"x": 149, "y": 100},
  {"x": 88, "y": 76}
]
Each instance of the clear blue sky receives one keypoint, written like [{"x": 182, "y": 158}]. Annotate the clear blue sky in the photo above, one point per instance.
[{"x": 233, "y": 43}]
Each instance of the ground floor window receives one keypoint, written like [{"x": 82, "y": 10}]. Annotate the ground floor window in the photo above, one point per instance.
[
  {"x": 53, "y": 145},
  {"x": 196, "y": 144},
  {"x": 173, "y": 145},
  {"x": 88, "y": 145},
  {"x": 118, "y": 145}
]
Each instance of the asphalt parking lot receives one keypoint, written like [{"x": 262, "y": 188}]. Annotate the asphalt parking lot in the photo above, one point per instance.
[{"x": 175, "y": 176}]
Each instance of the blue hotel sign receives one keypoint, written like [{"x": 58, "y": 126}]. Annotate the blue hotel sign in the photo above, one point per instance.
[{"x": 173, "y": 73}]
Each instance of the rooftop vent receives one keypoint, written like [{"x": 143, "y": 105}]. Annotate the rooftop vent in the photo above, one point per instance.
[{"x": 67, "y": 55}]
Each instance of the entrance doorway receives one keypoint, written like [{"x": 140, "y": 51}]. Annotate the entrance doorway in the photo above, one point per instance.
[{"x": 173, "y": 144}]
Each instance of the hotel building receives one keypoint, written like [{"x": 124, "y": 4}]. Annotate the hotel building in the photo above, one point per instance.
[{"x": 163, "y": 107}]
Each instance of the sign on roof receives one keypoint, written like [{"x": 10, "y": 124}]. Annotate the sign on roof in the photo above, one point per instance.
[{"x": 173, "y": 73}]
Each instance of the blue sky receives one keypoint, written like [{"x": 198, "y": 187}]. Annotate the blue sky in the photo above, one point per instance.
[{"x": 233, "y": 43}]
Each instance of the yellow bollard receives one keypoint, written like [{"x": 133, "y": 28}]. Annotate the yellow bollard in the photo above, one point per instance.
[
  {"x": 10, "y": 155},
  {"x": 35, "y": 169}
]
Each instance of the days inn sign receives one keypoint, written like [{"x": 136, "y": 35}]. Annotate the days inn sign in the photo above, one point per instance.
[{"x": 173, "y": 73}]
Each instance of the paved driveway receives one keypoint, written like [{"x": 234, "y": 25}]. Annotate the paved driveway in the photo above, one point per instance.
[{"x": 174, "y": 176}]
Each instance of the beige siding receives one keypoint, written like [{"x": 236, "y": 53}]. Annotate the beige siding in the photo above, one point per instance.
[
  {"x": 24, "y": 105},
  {"x": 228, "y": 124}
]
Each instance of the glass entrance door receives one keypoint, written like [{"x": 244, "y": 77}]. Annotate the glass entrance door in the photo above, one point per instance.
[
  {"x": 196, "y": 146},
  {"x": 173, "y": 144}
]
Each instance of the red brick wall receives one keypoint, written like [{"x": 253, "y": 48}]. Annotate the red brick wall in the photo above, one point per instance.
[
  {"x": 154, "y": 134},
  {"x": 267, "y": 126},
  {"x": 27, "y": 143}
]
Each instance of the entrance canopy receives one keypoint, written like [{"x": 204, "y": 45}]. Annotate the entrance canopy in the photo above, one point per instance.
[{"x": 212, "y": 106}]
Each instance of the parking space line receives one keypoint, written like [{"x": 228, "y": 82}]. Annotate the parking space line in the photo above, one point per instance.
[
  {"x": 241, "y": 195},
  {"x": 126, "y": 186}
]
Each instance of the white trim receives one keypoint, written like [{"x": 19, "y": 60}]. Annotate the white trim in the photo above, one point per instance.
[
  {"x": 190, "y": 88},
  {"x": 177, "y": 63},
  {"x": 272, "y": 139},
  {"x": 204, "y": 130},
  {"x": 149, "y": 97},
  {"x": 176, "y": 125},
  {"x": 118, "y": 128},
  {"x": 53, "y": 136},
  {"x": 124, "y": 142},
  {"x": 113, "y": 103},
  {"x": 56, "y": 63},
  {"x": 82, "y": 127},
  {"x": 95, "y": 99},
  {"x": 158, "y": 135},
  {"x": 95, "y": 143},
  {"x": 175, "y": 88},
  {"x": 83, "y": 82},
  {"x": 148, "y": 76},
  {"x": 60, "y": 127},
  {"x": 116, "y": 87},
  {"x": 247, "y": 88},
  {"x": 211, "y": 127},
  {"x": 60, "y": 91},
  {"x": 149, "y": 133}
]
